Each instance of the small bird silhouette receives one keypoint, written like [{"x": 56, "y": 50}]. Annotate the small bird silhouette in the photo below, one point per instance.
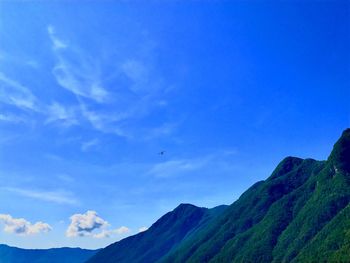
[{"x": 161, "y": 153}]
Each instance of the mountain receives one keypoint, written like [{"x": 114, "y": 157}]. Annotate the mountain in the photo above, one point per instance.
[
  {"x": 301, "y": 213},
  {"x": 163, "y": 236},
  {"x": 53, "y": 255}
]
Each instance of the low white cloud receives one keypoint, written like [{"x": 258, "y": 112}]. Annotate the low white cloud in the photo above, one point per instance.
[
  {"x": 108, "y": 233},
  {"x": 60, "y": 197},
  {"x": 90, "y": 224},
  {"x": 84, "y": 224},
  {"x": 103, "y": 234},
  {"x": 121, "y": 230},
  {"x": 21, "y": 226},
  {"x": 143, "y": 229}
]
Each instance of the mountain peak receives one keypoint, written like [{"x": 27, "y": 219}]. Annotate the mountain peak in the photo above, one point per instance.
[
  {"x": 340, "y": 156},
  {"x": 285, "y": 166},
  {"x": 185, "y": 206}
]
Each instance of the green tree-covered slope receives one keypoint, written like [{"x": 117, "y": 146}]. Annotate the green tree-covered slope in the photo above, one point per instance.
[
  {"x": 163, "y": 236},
  {"x": 301, "y": 213}
]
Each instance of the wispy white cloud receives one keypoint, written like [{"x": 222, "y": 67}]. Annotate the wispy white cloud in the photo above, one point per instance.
[
  {"x": 111, "y": 102},
  {"x": 85, "y": 146},
  {"x": 85, "y": 85},
  {"x": 15, "y": 94},
  {"x": 166, "y": 128},
  {"x": 59, "y": 197},
  {"x": 53, "y": 157},
  {"x": 105, "y": 122},
  {"x": 32, "y": 63},
  {"x": 82, "y": 78},
  {"x": 20, "y": 59},
  {"x": 138, "y": 73},
  {"x": 56, "y": 112},
  {"x": 11, "y": 118},
  {"x": 90, "y": 224},
  {"x": 57, "y": 43},
  {"x": 111, "y": 99},
  {"x": 65, "y": 178},
  {"x": 135, "y": 70},
  {"x": 177, "y": 167},
  {"x": 21, "y": 226}
]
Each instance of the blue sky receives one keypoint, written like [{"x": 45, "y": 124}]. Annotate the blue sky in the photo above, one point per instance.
[{"x": 90, "y": 93}]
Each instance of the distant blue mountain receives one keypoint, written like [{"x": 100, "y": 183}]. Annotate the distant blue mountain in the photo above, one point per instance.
[{"x": 53, "y": 255}]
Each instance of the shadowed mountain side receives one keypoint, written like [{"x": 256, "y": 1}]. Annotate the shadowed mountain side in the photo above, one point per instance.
[{"x": 53, "y": 255}]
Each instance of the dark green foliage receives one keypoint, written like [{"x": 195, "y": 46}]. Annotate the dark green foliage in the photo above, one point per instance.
[
  {"x": 301, "y": 213},
  {"x": 160, "y": 238},
  {"x": 249, "y": 228},
  {"x": 340, "y": 157},
  {"x": 283, "y": 217},
  {"x": 53, "y": 255}
]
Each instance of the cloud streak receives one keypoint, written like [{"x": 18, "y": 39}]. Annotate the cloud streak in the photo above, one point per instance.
[
  {"x": 82, "y": 79},
  {"x": 59, "y": 197},
  {"x": 112, "y": 102},
  {"x": 58, "y": 113},
  {"x": 177, "y": 167},
  {"x": 86, "y": 146},
  {"x": 11, "y": 118},
  {"x": 15, "y": 94},
  {"x": 56, "y": 42}
]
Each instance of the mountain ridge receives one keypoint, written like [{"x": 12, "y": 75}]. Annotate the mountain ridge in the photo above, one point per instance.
[
  {"x": 300, "y": 213},
  {"x": 170, "y": 229}
]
